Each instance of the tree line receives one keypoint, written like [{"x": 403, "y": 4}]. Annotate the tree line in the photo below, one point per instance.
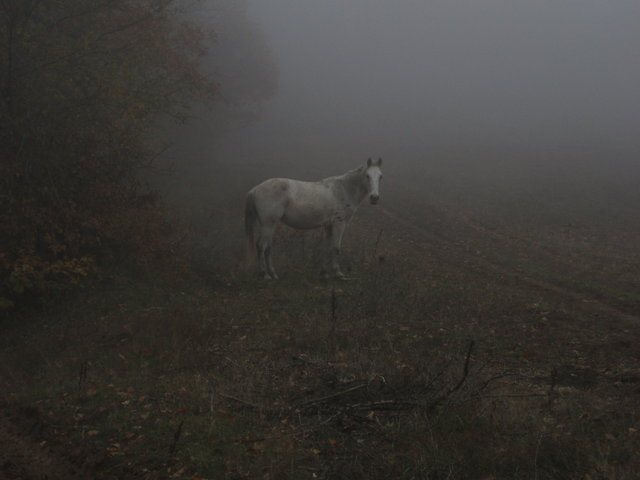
[{"x": 81, "y": 84}]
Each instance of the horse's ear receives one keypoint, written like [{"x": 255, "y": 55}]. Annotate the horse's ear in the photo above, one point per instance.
[
  {"x": 369, "y": 162},
  {"x": 379, "y": 161}
]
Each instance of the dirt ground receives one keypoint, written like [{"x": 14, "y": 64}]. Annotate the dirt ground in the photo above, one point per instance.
[
  {"x": 31, "y": 449},
  {"x": 554, "y": 302}
]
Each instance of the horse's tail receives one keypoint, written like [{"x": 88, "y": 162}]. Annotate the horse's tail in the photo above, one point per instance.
[{"x": 251, "y": 219}]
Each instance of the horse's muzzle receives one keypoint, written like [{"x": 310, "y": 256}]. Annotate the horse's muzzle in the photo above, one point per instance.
[{"x": 374, "y": 199}]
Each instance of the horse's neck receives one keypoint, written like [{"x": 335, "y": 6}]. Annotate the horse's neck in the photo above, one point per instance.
[{"x": 353, "y": 186}]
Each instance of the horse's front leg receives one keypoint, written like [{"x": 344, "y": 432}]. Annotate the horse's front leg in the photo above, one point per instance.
[{"x": 335, "y": 242}]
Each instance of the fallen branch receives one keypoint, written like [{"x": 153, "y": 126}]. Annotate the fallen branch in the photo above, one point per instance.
[
  {"x": 239, "y": 400},
  {"x": 316, "y": 401},
  {"x": 393, "y": 404},
  {"x": 515, "y": 395}
]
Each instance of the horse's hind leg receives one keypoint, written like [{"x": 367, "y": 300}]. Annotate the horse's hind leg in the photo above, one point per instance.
[
  {"x": 267, "y": 254},
  {"x": 261, "y": 260},
  {"x": 263, "y": 248}
]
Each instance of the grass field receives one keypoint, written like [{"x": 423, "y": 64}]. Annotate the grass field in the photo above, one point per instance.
[{"x": 485, "y": 333}]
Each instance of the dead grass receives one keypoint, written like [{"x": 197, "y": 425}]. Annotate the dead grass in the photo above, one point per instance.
[{"x": 220, "y": 375}]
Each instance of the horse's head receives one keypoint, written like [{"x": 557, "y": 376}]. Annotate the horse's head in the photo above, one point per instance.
[{"x": 373, "y": 175}]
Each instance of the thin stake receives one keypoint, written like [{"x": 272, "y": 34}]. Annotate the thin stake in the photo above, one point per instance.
[
  {"x": 334, "y": 319},
  {"x": 375, "y": 247},
  {"x": 552, "y": 385},
  {"x": 82, "y": 375},
  {"x": 176, "y": 437}
]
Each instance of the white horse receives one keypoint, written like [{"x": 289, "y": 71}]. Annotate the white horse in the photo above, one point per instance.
[{"x": 329, "y": 203}]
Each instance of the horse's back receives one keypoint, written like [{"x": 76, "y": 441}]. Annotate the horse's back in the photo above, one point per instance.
[
  {"x": 297, "y": 203},
  {"x": 276, "y": 189}
]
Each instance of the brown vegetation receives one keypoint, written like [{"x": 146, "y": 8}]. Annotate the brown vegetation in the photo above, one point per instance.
[
  {"x": 82, "y": 82},
  {"x": 440, "y": 359}
]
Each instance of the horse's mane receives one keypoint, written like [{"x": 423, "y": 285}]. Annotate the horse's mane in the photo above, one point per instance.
[
  {"x": 352, "y": 180},
  {"x": 354, "y": 171},
  {"x": 346, "y": 175}
]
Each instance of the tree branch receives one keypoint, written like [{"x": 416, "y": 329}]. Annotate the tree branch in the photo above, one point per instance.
[{"x": 457, "y": 386}]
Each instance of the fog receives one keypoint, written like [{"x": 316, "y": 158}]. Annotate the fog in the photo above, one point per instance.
[
  {"x": 464, "y": 85},
  {"x": 416, "y": 77}
]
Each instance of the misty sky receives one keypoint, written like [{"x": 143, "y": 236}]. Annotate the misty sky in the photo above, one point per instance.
[{"x": 407, "y": 77}]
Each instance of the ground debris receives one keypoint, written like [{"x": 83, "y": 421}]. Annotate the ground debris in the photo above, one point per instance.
[{"x": 30, "y": 448}]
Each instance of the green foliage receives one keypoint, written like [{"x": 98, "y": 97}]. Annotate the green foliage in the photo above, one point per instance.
[{"x": 81, "y": 83}]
